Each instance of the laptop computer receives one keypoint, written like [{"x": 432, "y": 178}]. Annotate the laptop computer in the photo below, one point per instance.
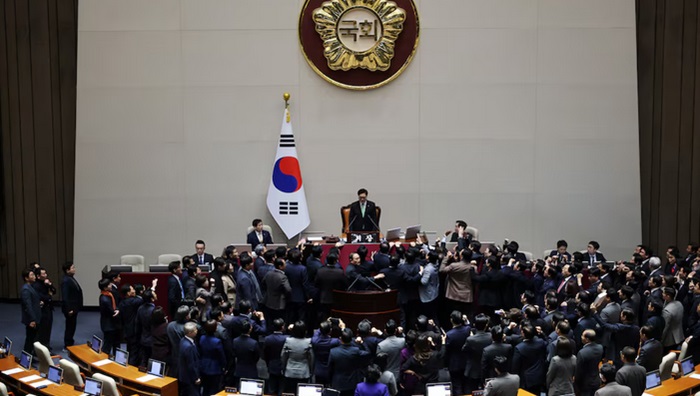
[
  {"x": 309, "y": 390},
  {"x": 121, "y": 357},
  {"x": 96, "y": 344},
  {"x": 7, "y": 346},
  {"x": 653, "y": 379},
  {"x": 412, "y": 232},
  {"x": 93, "y": 387},
  {"x": 25, "y": 360},
  {"x": 687, "y": 366},
  {"x": 55, "y": 375},
  {"x": 393, "y": 234},
  {"x": 251, "y": 387},
  {"x": 438, "y": 389},
  {"x": 156, "y": 367}
]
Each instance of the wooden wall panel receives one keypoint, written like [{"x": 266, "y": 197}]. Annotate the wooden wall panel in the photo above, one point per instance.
[
  {"x": 669, "y": 121},
  {"x": 37, "y": 108}
]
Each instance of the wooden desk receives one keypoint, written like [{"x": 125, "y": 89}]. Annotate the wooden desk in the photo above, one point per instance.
[
  {"x": 680, "y": 386},
  {"x": 13, "y": 381},
  {"x": 125, "y": 376}
]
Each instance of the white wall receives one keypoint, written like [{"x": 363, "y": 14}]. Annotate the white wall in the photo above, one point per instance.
[{"x": 519, "y": 116}]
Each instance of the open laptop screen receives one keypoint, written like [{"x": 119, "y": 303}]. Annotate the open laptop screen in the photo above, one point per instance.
[
  {"x": 96, "y": 344},
  {"x": 121, "y": 357},
  {"x": 438, "y": 389},
  {"x": 25, "y": 360},
  {"x": 653, "y": 379},
  {"x": 309, "y": 390},
  {"x": 55, "y": 374},
  {"x": 251, "y": 387},
  {"x": 156, "y": 367},
  {"x": 7, "y": 345},
  {"x": 687, "y": 365},
  {"x": 93, "y": 387}
]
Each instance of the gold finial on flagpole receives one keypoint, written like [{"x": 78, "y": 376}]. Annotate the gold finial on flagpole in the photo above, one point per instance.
[{"x": 286, "y": 97}]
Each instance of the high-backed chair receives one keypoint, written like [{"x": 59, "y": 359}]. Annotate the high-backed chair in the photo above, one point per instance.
[
  {"x": 473, "y": 231},
  {"x": 109, "y": 386},
  {"x": 3, "y": 390},
  {"x": 666, "y": 366},
  {"x": 265, "y": 228},
  {"x": 44, "y": 357},
  {"x": 71, "y": 373},
  {"x": 135, "y": 260},
  {"x": 345, "y": 218},
  {"x": 547, "y": 253},
  {"x": 169, "y": 258},
  {"x": 682, "y": 354},
  {"x": 529, "y": 256}
]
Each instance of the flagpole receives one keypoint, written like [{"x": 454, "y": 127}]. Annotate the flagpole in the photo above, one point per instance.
[{"x": 286, "y": 97}]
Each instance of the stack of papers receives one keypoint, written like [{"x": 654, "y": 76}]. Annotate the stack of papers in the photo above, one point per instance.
[
  {"x": 146, "y": 378},
  {"x": 13, "y": 371},
  {"x": 41, "y": 383},
  {"x": 30, "y": 378},
  {"x": 102, "y": 362}
]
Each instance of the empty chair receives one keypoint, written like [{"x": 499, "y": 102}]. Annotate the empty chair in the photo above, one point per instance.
[
  {"x": 169, "y": 258},
  {"x": 3, "y": 390},
  {"x": 666, "y": 366},
  {"x": 135, "y": 260},
  {"x": 529, "y": 256},
  {"x": 71, "y": 373},
  {"x": 682, "y": 354},
  {"x": 109, "y": 386},
  {"x": 547, "y": 253},
  {"x": 44, "y": 357},
  {"x": 265, "y": 228},
  {"x": 474, "y": 231}
]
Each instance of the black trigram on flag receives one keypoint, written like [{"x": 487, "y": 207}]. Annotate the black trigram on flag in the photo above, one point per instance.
[
  {"x": 287, "y": 141},
  {"x": 289, "y": 208}
]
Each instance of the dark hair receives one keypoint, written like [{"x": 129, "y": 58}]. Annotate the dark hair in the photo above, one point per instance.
[
  {"x": 219, "y": 263},
  {"x": 657, "y": 305},
  {"x": 528, "y": 331},
  {"x": 279, "y": 263},
  {"x": 148, "y": 295},
  {"x": 210, "y": 327},
  {"x": 551, "y": 303},
  {"x": 595, "y": 245},
  {"x": 125, "y": 289},
  {"x": 384, "y": 247},
  {"x": 500, "y": 363},
  {"x": 562, "y": 243},
  {"x": 564, "y": 327},
  {"x": 647, "y": 330},
  {"x": 246, "y": 326},
  {"x": 481, "y": 322},
  {"x": 627, "y": 291},
  {"x": 364, "y": 328},
  {"x": 583, "y": 310},
  {"x": 607, "y": 371},
  {"x": 628, "y": 353},
  {"x": 411, "y": 337},
  {"x": 331, "y": 259},
  {"x": 245, "y": 259},
  {"x": 372, "y": 375},
  {"x": 200, "y": 242},
  {"x": 269, "y": 256},
  {"x": 66, "y": 266},
  {"x": 362, "y": 191},
  {"x": 158, "y": 316},
  {"x": 256, "y": 222},
  {"x": 362, "y": 252},
  {"x": 181, "y": 314},
  {"x": 669, "y": 291},
  {"x": 564, "y": 348},
  {"x": 456, "y": 318},
  {"x": 346, "y": 336},
  {"x": 281, "y": 251},
  {"x": 244, "y": 306},
  {"x": 174, "y": 265},
  {"x": 394, "y": 261},
  {"x": 595, "y": 271},
  {"x": 529, "y": 296},
  {"x": 316, "y": 251},
  {"x": 629, "y": 315},
  {"x": 381, "y": 360},
  {"x": 103, "y": 284},
  {"x": 497, "y": 334},
  {"x": 390, "y": 327},
  {"x": 422, "y": 323},
  {"x": 299, "y": 329},
  {"x": 278, "y": 324},
  {"x": 325, "y": 327},
  {"x": 611, "y": 293},
  {"x": 200, "y": 279},
  {"x": 461, "y": 223}
]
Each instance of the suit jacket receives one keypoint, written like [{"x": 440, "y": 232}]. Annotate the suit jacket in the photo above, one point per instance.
[
  {"x": 212, "y": 355},
  {"x": 246, "y": 289},
  {"x": 560, "y": 376},
  {"x": 188, "y": 362},
  {"x": 299, "y": 281},
  {"x": 381, "y": 261},
  {"x": 596, "y": 258},
  {"x": 369, "y": 389},
  {"x": 272, "y": 352},
  {"x": 359, "y": 223},
  {"x": 458, "y": 284},
  {"x": 247, "y": 355},
  {"x": 175, "y": 293},
  {"x": 650, "y": 355},
  {"x": 72, "y": 295},
  {"x": 506, "y": 385},
  {"x": 673, "y": 331},
  {"x": 312, "y": 266},
  {"x": 392, "y": 346},
  {"x": 614, "y": 389},
  {"x": 322, "y": 346},
  {"x": 343, "y": 364},
  {"x": 410, "y": 279},
  {"x": 490, "y": 352},
  {"x": 253, "y": 241},
  {"x": 190, "y": 288},
  {"x": 529, "y": 362},
  {"x": 31, "y": 307},
  {"x": 474, "y": 346},
  {"x": 107, "y": 320},
  {"x": 144, "y": 324},
  {"x": 456, "y": 337},
  {"x": 297, "y": 358},
  {"x": 277, "y": 288},
  {"x": 491, "y": 284},
  {"x": 208, "y": 259},
  {"x": 634, "y": 376},
  {"x": 609, "y": 314},
  {"x": 128, "y": 308},
  {"x": 328, "y": 279},
  {"x": 587, "y": 360}
]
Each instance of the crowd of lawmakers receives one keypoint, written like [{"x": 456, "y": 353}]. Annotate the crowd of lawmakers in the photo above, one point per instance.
[{"x": 478, "y": 318}]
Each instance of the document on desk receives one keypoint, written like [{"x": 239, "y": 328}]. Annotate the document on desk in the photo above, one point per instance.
[
  {"x": 13, "y": 371},
  {"x": 695, "y": 376},
  {"x": 30, "y": 378},
  {"x": 146, "y": 378},
  {"x": 41, "y": 383},
  {"x": 102, "y": 362}
]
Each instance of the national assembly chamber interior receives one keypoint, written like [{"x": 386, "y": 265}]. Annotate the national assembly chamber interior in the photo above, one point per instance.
[{"x": 349, "y": 197}]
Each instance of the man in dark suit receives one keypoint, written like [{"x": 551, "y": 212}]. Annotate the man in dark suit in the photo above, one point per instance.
[
  {"x": 258, "y": 235},
  {"x": 144, "y": 324},
  {"x": 455, "y": 359},
  {"x": 329, "y": 278},
  {"x": 382, "y": 257},
  {"x": 189, "y": 378},
  {"x": 247, "y": 286},
  {"x": 31, "y": 309},
  {"x": 363, "y": 213},
  {"x": 651, "y": 352},
  {"x": 409, "y": 299},
  {"x": 529, "y": 360},
  {"x": 276, "y": 290},
  {"x": 631, "y": 374},
  {"x": 344, "y": 362},
  {"x": 128, "y": 309},
  {"x": 176, "y": 293},
  {"x": 586, "y": 379},
  {"x": 504, "y": 383},
  {"x": 109, "y": 317},
  {"x": 200, "y": 257},
  {"x": 46, "y": 290},
  {"x": 592, "y": 255},
  {"x": 272, "y": 352},
  {"x": 497, "y": 348},
  {"x": 247, "y": 353},
  {"x": 474, "y": 347},
  {"x": 302, "y": 291},
  {"x": 72, "y": 295},
  {"x": 246, "y": 314}
]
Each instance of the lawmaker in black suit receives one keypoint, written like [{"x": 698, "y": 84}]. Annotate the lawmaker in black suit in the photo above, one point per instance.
[
  {"x": 343, "y": 364},
  {"x": 176, "y": 292},
  {"x": 109, "y": 317},
  {"x": 258, "y": 235},
  {"x": 200, "y": 257},
  {"x": 363, "y": 213},
  {"x": 592, "y": 255},
  {"x": 72, "y": 302},
  {"x": 31, "y": 309},
  {"x": 188, "y": 376}
]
